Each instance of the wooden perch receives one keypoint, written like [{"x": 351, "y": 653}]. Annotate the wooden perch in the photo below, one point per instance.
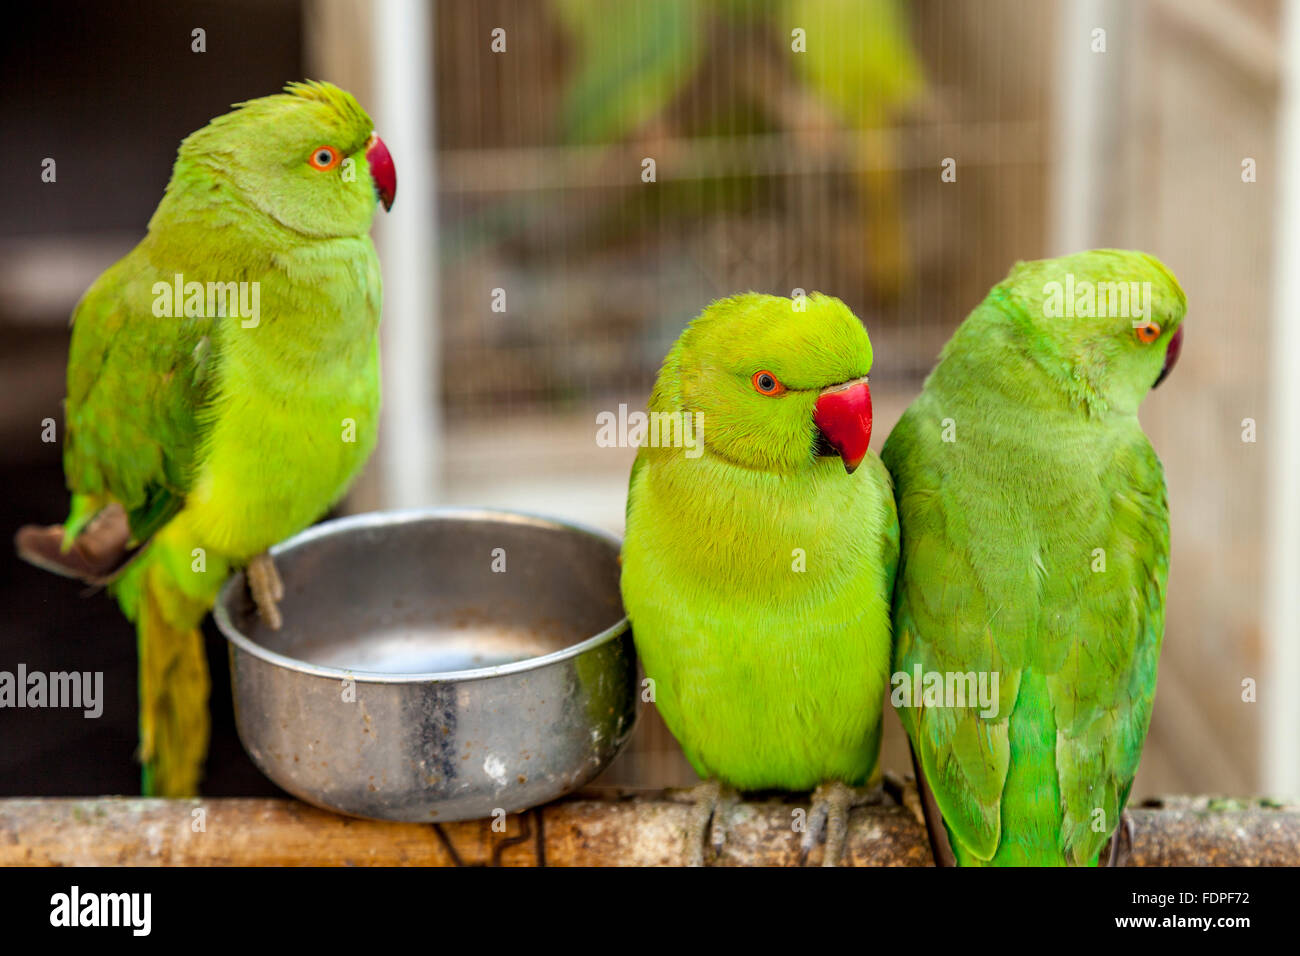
[{"x": 614, "y": 828}]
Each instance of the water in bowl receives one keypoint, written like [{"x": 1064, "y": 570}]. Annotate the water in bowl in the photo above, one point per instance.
[{"x": 425, "y": 649}]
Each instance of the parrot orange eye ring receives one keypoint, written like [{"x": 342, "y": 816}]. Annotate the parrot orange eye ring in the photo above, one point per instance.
[
  {"x": 765, "y": 383},
  {"x": 1148, "y": 333},
  {"x": 325, "y": 158}
]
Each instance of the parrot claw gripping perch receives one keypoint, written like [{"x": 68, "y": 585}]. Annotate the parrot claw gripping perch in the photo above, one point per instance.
[
  {"x": 711, "y": 806},
  {"x": 267, "y": 589},
  {"x": 96, "y": 556},
  {"x": 831, "y": 804}
]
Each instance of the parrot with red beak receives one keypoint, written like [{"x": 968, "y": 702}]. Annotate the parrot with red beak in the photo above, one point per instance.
[
  {"x": 223, "y": 388},
  {"x": 1035, "y": 555},
  {"x": 759, "y": 559}
]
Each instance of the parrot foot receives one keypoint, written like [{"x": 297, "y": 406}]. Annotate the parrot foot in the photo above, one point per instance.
[
  {"x": 98, "y": 555},
  {"x": 831, "y": 804},
  {"x": 711, "y": 806},
  {"x": 1121, "y": 841},
  {"x": 267, "y": 589},
  {"x": 906, "y": 794}
]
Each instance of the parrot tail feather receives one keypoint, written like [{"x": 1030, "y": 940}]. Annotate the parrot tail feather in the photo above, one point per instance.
[
  {"x": 174, "y": 723},
  {"x": 173, "y": 674},
  {"x": 940, "y": 845}
]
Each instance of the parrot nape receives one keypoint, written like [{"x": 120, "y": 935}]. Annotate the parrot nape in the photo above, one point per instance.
[
  {"x": 758, "y": 566},
  {"x": 204, "y": 426},
  {"x": 1035, "y": 549}
]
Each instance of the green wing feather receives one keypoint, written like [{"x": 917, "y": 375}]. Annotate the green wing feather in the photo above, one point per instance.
[
  {"x": 1102, "y": 694},
  {"x": 137, "y": 386},
  {"x": 1075, "y": 647},
  {"x": 944, "y": 626}
]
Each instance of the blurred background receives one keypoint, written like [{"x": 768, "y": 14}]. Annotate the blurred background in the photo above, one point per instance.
[{"x": 534, "y": 277}]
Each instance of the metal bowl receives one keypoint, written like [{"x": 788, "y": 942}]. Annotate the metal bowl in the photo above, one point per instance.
[{"x": 412, "y": 681}]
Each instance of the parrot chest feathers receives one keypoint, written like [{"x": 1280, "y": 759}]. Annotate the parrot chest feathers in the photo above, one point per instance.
[
  {"x": 296, "y": 403},
  {"x": 746, "y": 533},
  {"x": 274, "y": 467},
  {"x": 760, "y": 606}
]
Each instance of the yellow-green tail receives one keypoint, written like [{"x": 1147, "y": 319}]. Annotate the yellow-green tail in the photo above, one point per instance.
[{"x": 167, "y": 592}]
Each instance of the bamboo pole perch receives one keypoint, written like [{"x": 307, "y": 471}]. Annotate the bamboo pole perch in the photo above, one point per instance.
[{"x": 601, "y": 829}]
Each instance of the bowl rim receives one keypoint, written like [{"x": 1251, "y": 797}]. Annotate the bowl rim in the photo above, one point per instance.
[{"x": 378, "y": 519}]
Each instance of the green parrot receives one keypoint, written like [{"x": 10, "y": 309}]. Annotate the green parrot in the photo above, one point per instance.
[
  {"x": 1035, "y": 552},
  {"x": 757, "y": 566},
  {"x": 223, "y": 388}
]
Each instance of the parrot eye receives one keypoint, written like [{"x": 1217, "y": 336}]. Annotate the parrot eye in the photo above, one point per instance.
[
  {"x": 325, "y": 158},
  {"x": 1148, "y": 333},
  {"x": 765, "y": 383}
]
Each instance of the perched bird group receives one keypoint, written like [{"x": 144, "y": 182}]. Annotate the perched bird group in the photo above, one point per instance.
[
  {"x": 998, "y": 573},
  {"x": 1006, "y": 589}
]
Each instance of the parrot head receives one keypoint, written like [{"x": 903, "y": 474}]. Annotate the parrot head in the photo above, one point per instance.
[
  {"x": 781, "y": 384},
  {"x": 307, "y": 158},
  {"x": 1108, "y": 321}
]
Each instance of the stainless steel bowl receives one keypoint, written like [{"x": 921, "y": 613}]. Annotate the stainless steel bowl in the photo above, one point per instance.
[{"x": 412, "y": 681}]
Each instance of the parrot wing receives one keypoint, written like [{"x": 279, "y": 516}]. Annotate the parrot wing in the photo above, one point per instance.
[
  {"x": 137, "y": 386},
  {"x": 1095, "y": 652},
  {"x": 963, "y": 756},
  {"x": 1102, "y": 694},
  {"x": 942, "y": 624}
]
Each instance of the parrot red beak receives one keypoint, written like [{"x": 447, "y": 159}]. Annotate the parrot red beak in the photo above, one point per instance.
[
  {"x": 382, "y": 171},
  {"x": 1172, "y": 351},
  {"x": 843, "y": 414}
]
